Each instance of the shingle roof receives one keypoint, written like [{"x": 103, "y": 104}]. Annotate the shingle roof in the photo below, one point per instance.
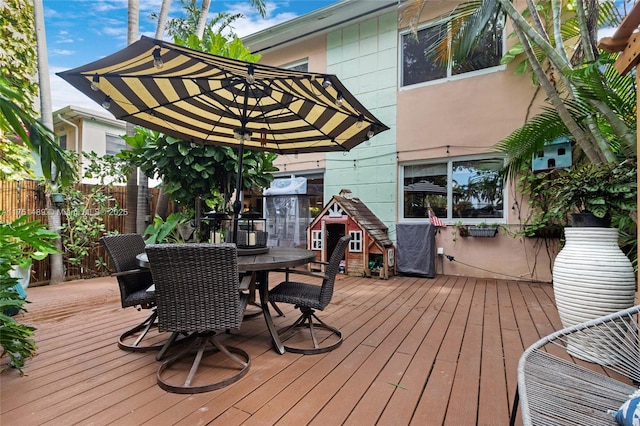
[{"x": 364, "y": 217}]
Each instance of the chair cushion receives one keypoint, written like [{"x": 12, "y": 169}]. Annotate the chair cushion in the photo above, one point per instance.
[
  {"x": 139, "y": 297},
  {"x": 629, "y": 412},
  {"x": 295, "y": 293}
]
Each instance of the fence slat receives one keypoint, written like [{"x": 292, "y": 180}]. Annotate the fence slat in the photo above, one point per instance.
[{"x": 28, "y": 197}]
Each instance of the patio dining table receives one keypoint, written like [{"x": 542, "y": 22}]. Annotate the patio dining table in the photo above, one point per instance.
[{"x": 261, "y": 263}]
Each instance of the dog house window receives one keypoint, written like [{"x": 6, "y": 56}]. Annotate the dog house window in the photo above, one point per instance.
[
  {"x": 316, "y": 240},
  {"x": 355, "y": 245}
]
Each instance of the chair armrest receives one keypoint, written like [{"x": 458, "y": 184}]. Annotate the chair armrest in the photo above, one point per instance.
[
  {"x": 301, "y": 272},
  {"x": 246, "y": 282},
  {"x": 129, "y": 272}
]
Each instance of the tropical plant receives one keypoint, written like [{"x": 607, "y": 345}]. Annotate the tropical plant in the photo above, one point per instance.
[
  {"x": 607, "y": 189},
  {"x": 556, "y": 43},
  {"x": 85, "y": 211},
  {"x": 195, "y": 171},
  {"x": 166, "y": 231},
  {"x": 21, "y": 242}
]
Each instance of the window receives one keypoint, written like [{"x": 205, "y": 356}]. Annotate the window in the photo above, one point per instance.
[
  {"x": 355, "y": 244},
  {"x": 298, "y": 66},
  {"x": 419, "y": 59},
  {"x": 114, "y": 144},
  {"x": 316, "y": 240},
  {"x": 457, "y": 189},
  {"x": 62, "y": 140}
]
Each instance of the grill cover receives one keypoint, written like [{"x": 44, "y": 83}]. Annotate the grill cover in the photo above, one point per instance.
[{"x": 416, "y": 249}]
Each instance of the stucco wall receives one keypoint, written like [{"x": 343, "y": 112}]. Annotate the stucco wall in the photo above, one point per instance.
[
  {"x": 364, "y": 56},
  {"x": 464, "y": 116}
]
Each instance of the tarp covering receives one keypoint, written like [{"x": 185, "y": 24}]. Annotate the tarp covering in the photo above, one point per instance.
[
  {"x": 416, "y": 249},
  {"x": 287, "y": 186}
]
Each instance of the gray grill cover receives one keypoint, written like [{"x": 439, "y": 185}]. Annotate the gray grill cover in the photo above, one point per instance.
[{"x": 416, "y": 249}]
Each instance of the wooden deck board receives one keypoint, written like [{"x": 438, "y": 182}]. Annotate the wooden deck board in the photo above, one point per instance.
[{"x": 415, "y": 351}]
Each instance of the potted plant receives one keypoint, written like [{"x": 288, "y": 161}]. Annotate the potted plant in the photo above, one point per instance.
[
  {"x": 592, "y": 276},
  {"x": 483, "y": 229},
  {"x": 597, "y": 191},
  {"x": 21, "y": 242}
]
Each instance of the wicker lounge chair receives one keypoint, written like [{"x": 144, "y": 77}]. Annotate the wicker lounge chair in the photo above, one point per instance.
[
  {"x": 198, "y": 291},
  {"x": 309, "y": 297},
  {"x": 582, "y": 374},
  {"x": 134, "y": 283}
]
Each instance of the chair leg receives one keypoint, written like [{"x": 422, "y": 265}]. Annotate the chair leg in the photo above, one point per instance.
[
  {"x": 514, "y": 408},
  {"x": 306, "y": 321},
  {"x": 276, "y": 308},
  {"x": 198, "y": 346},
  {"x": 141, "y": 331}
]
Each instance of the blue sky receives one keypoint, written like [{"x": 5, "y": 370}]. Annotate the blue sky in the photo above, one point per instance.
[{"x": 82, "y": 31}]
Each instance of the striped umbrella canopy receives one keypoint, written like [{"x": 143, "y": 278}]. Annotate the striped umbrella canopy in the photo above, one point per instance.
[{"x": 211, "y": 99}]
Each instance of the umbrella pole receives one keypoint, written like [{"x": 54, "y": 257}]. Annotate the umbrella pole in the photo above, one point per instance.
[{"x": 237, "y": 204}]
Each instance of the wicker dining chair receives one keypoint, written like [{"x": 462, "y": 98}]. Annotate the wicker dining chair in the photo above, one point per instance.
[
  {"x": 133, "y": 282},
  {"x": 309, "y": 298},
  {"x": 198, "y": 291}
]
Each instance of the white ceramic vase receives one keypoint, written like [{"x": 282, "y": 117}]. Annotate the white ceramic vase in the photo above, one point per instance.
[
  {"x": 23, "y": 274},
  {"x": 592, "y": 277}
]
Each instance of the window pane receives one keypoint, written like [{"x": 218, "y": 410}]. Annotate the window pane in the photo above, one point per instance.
[
  {"x": 114, "y": 144},
  {"x": 418, "y": 63},
  {"x": 478, "y": 189},
  {"x": 304, "y": 67},
  {"x": 425, "y": 185},
  {"x": 487, "y": 53}
]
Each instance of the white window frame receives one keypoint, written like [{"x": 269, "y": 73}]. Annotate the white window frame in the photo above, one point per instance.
[
  {"x": 295, "y": 64},
  {"x": 449, "y": 76},
  {"x": 450, "y": 220},
  {"x": 355, "y": 244},
  {"x": 316, "y": 240},
  {"x": 110, "y": 142}
]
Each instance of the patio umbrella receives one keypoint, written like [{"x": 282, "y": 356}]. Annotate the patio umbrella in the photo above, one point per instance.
[{"x": 211, "y": 99}]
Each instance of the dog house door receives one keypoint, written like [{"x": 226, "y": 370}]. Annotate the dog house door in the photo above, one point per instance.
[{"x": 333, "y": 232}]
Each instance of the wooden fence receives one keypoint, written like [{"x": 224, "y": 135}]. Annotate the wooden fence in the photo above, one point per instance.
[{"x": 28, "y": 197}]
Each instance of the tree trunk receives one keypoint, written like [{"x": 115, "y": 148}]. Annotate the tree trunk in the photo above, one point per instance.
[
  {"x": 162, "y": 18},
  {"x": 162, "y": 206},
  {"x": 54, "y": 220},
  {"x": 131, "y": 220},
  {"x": 202, "y": 19}
]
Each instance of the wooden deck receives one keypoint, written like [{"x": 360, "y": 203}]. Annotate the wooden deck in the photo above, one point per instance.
[{"x": 416, "y": 351}]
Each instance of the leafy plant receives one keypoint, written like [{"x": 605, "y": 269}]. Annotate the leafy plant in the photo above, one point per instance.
[
  {"x": 85, "y": 212},
  {"x": 459, "y": 230},
  {"x": 21, "y": 241},
  {"x": 161, "y": 231},
  {"x": 190, "y": 171},
  {"x": 602, "y": 189}
]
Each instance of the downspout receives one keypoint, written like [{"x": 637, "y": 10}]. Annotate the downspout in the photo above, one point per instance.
[{"x": 77, "y": 148}]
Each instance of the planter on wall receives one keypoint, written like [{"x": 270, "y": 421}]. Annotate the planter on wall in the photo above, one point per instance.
[
  {"x": 475, "y": 231},
  {"x": 592, "y": 277}
]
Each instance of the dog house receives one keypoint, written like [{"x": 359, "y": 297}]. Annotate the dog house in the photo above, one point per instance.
[{"x": 370, "y": 251}]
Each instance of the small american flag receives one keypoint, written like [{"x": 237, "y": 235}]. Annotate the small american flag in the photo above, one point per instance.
[{"x": 435, "y": 221}]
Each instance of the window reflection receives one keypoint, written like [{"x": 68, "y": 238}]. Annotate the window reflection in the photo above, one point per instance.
[{"x": 455, "y": 189}]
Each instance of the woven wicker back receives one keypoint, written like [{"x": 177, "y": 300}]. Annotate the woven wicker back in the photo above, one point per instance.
[
  {"x": 326, "y": 293},
  {"x": 122, "y": 250},
  {"x": 197, "y": 286}
]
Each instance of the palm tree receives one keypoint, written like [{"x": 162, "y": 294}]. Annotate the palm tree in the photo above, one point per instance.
[
  {"x": 46, "y": 113},
  {"x": 131, "y": 220},
  {"x": 581, "y": 112}
]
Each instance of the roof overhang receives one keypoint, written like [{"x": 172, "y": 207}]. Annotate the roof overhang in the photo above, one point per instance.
[
  {"x": 316, "y": 23},
  {"x": 75, "y": 113}
]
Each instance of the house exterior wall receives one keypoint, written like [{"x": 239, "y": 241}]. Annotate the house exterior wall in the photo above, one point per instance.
[
  {"x": 437, "y": 120},
  {"x": 364, "y": 57}
]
